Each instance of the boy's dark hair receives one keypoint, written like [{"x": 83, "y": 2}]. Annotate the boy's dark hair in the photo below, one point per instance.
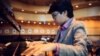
[{"x": 61, "y": 6}]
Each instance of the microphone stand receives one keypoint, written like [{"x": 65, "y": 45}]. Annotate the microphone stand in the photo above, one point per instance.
[{"x": 14, "y": 54}]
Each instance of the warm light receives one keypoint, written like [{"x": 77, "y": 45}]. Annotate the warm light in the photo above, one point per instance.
[
  {"x": 35, "y": 11},
  {"x": 48, "y": 23},
  {"x": 34, "y": 22},
  {"x": 40, "y": 23},
  {"x": 22, "y": 10},
  {"x": 90, "y": 4},
  {"x": 28, "y": 22},
  {"x": 76, "y": 6},
  {"x": 22, "y": 21}
]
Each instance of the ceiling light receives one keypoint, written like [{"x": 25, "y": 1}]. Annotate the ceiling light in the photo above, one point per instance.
[
  {"x": 28, "y": 22},
  {"x": 22, "y": 21},
  {"x": 40, "y": 23},
  {"x": 48, "y": 23},
  {"x": 22, "y": 10},
  {"x": 76, "y": 6},
  {"x": 34, "y": 22},
  {"x": 35, "y": 11},
  {"x": 90, "y": 4}
]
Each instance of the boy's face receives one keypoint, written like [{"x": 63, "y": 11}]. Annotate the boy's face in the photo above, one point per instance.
[{"x": 58, "y": 17}]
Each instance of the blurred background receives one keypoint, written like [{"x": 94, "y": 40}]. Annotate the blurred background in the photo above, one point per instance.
[{"x": 28, "y": 20}]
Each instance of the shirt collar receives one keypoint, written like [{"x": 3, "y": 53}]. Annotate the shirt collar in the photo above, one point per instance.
[{"x": 66, "y": 24}]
